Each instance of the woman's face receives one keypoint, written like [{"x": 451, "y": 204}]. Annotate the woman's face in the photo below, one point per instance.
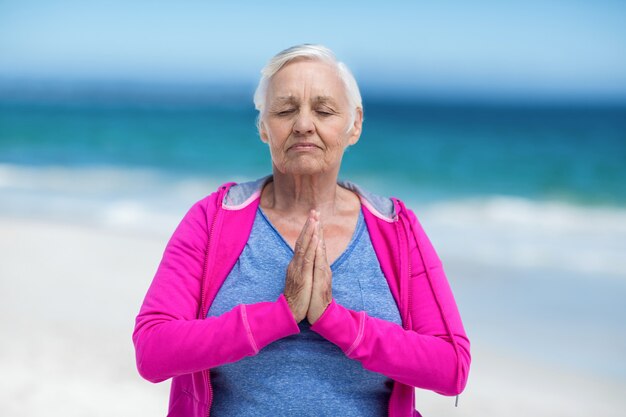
[{"x": 306, "y": 123}]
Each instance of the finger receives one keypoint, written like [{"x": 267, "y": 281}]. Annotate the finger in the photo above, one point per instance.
[
  {"x": 303, "y": 242},
  {"x": 306, "y": 224},
  {"x": 303, "y": 232},
  {"x": 322, "y": 243},
  {"x": 321, "y": 293},
  {"x": 320, "y": 258},
  {"x": 307, "y": 271},
  {"x": 308, "y": 260}
]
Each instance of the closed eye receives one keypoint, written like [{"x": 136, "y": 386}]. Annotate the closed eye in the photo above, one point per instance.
[{"x": 325, "y": 112}]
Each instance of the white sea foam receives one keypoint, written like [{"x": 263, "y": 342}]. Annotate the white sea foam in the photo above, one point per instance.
[
  {"x": 521, "y": 233},
  {"x": 495, "y": 230},
  {"x": 123, "y": 198}
]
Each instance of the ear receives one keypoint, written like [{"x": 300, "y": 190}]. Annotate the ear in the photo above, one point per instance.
[
  {"x": 357, "y": 126},
  {"x": 263, "y": 132}
]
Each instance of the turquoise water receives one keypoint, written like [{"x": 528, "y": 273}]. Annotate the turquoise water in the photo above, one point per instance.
[{"x": 574, "y": 154}]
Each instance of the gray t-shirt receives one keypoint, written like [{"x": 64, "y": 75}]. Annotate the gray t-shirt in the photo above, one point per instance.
[{"x": 303, "y": 374}]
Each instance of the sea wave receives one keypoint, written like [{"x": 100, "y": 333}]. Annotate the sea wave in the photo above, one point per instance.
[
  {"x": 132, "y": 199},
  {"x": 522, "y": 233},
  {"x": 487, "y": 230}
]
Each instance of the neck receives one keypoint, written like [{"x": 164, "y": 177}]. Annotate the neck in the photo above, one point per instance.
[{"x": 298, "y": 194}]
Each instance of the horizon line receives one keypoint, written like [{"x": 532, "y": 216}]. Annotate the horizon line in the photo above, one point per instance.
[{"x": 190, "y": 91}]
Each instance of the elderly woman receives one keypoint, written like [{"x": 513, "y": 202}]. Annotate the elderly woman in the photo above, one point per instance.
[{"x": 298, "y": 294}]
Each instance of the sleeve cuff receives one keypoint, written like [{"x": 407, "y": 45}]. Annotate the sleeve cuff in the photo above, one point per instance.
[
  {"x": 270, "y": 321},
  {"x": 341, "y": 326}
]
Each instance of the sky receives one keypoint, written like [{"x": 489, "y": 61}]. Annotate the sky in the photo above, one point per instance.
[{"x": 519, "y": 48}]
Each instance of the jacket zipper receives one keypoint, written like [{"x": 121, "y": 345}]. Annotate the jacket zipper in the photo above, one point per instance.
[
  {"x": 409, "y": 294},
  {"x": 203, "y": 313},
  {"x": 406, "y": 248},
  {"x": 403, "y": 248}
]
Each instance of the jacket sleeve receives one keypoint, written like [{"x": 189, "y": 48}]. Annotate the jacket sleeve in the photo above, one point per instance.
[
  {"x": 170, "y": 340},
  {"x": 434, "y": 354}
]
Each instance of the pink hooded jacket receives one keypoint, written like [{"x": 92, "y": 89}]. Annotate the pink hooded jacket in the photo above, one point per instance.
[{"x": 174, "y": 339}]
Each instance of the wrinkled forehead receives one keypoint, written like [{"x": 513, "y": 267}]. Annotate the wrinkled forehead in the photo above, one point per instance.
[{"x": 306, "y": 79}]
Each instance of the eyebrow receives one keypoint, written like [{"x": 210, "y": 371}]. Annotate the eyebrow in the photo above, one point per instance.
[
  {"x": 318, "y": 99},
  {"x": 325, "y": 99},
  {"x": 287, "y": 99}
]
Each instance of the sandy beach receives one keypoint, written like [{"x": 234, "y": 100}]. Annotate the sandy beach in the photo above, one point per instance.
[{"x": 69, "y": 295}]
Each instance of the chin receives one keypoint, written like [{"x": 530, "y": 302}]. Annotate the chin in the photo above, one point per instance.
[{"x": 303, "y": 168}]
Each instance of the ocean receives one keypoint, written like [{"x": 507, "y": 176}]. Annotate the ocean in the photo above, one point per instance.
[
  {"x": 526, "y": 204},
  {"x": 439, "y": 151}
]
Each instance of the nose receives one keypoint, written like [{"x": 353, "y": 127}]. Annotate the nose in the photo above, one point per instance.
[{"x": 303, "y": 124}]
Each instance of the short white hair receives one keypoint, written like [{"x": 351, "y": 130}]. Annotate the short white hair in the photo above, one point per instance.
[{"x": 312, "y": 52}]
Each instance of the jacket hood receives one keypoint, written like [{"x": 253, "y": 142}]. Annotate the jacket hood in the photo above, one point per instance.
[{"x": 241, "y": 195}]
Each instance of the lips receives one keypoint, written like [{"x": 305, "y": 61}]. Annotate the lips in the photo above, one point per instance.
[{"x": 303, "y": 146}]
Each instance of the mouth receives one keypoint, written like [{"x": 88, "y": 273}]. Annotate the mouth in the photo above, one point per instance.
[{"x": 303, "y": 146}]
